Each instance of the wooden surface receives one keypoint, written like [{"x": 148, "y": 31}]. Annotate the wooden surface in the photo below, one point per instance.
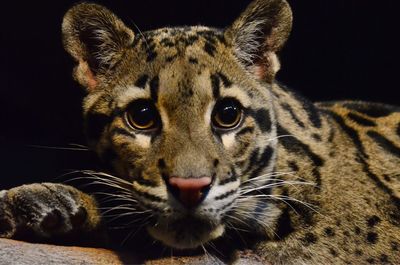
[{"x": 22, "y": 253}]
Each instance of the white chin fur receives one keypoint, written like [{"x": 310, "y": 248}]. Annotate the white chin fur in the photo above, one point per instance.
[{"x": 168, "y": 238}]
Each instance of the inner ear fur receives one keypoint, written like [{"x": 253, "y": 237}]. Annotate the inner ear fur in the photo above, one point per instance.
[
  {"x": 261, "y": 31},
  {"x": 96, "y": 39}
]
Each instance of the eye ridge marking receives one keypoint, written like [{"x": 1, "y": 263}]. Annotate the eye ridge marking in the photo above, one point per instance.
[
  {"x": 215, "y": 84},
  {"x": 142, "y": 81},
  {"x": 154, "y": 87}
]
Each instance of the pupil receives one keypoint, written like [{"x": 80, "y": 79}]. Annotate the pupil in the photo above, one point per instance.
[
  {"x": 229, "y": 114},
  {"x": 144, "y": 116}
]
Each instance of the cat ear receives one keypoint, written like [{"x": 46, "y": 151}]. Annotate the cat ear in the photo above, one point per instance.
[
  {"x": 96, "y": 39},
  {"x": 258, "y": 34}
]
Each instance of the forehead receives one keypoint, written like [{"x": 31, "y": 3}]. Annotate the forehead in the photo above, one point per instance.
[
  {"x": 191, "y": 63},
  {"x": 170, "y": 43}
]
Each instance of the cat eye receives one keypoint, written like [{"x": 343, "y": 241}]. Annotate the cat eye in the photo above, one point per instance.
[
  {"x": 142, "y": 115},
  {"x": 227, "y": 113}
]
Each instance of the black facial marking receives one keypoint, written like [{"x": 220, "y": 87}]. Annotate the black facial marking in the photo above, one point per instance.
[
  {"x": 227, "y": 83},
  {"x": 245, "y": 130},
  {"x": 289, "y": 109},
  {"x": 216, "y": 162},
  {"x": 310, "y": 238},
  {"x": 151, "y": 55},
  {"x": 215, "y": 83},
  {"x": 373, "y": 221},
  {"x": 284, "y": 226},
  {"x": 263, "y": 119},
  {"x": 231, "y": 179},
  {"x": 263, "y": 162},
  {"x": 329, "y": 232},
  {"x": 225, "y": 195},
  {"x": 154, "y": 86},
  {"x": 333, "y": 252},
  {"x": 209, "y": 48},
  {"x": 372, "y": 237},
  {"x": 316, "y": 137},
  {"x": 193, "y": 60},
  {"x": 374, "y": 110},
  {"x": 383, "y": 142},
  {"x": 167, "y": 43},
  {"x": 360, "y": 120},
  {"x": 95, "y": 125},
  {"x": 192, "y": 39},
  {"x": 170, "y": 58},
  {"x": 252, "y": 160},
  {"x": 293, "y": 166},
  {"x": 161, "y": 163},
  {"x": 142, "y": 81}
]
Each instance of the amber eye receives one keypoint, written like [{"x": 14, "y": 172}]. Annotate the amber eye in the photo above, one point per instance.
[
  {"x": 142, "y": 115},
  {"x": 227, "y": 113}
]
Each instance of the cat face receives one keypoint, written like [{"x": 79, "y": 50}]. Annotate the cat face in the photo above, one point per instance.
[{"x": 183, "y": 115}]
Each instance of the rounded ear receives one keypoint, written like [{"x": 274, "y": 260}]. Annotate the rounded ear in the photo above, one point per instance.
[
  {"x": 259, "y": 33},
  {"x": 96, "y": 39}
]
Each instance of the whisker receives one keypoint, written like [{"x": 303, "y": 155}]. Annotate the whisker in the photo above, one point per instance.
[{"x": 58, "y": 148}]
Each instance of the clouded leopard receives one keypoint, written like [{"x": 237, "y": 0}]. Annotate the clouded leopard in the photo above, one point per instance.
[{"x": 204, "y": 145}]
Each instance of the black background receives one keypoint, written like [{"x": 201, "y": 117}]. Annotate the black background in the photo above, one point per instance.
[{"x": 339, "y": 49}]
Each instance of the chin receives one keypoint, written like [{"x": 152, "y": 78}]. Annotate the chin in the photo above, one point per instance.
[{"x": 186, "y": 233}]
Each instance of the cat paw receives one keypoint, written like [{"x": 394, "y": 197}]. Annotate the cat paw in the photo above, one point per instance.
[{"x": 48, "y": 210}]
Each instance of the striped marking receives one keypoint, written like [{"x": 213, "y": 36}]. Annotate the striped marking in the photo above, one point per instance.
[
  {"x": 379, "y": 183},
  {"x": 226, "y": 181},
  {"x": 263, "y": 118},
  {"x": 263, "y": 162},
  {"x": 374, "y": 110},
  {"x": 215, "y": 85},
  {"x": 361, "y": 120},
  {"x": 154, "y": 87},
  {"x": 294, "y": 145},
  {"x": 225, "y": 195},
  {"x": 246, "y": 130},
  {"x": 293, "y": 115},
  {"x": 385, "y": 143},
  {"x": 398, "y": 129},
  {"x": 308, "y": 107},
  {"x": 353, "y": 134}
]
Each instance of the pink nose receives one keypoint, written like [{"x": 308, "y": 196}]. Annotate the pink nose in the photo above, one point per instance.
[{"x": 190, "y": 191}]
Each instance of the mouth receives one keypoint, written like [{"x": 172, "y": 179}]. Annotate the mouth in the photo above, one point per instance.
[{"x": 186, "y": 233}]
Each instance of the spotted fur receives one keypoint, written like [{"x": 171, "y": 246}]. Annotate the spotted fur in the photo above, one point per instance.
[{"x": 318, "y": 182}]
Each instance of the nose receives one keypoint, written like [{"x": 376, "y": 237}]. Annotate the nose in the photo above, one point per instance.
[{"x": 189, "y": 191}]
